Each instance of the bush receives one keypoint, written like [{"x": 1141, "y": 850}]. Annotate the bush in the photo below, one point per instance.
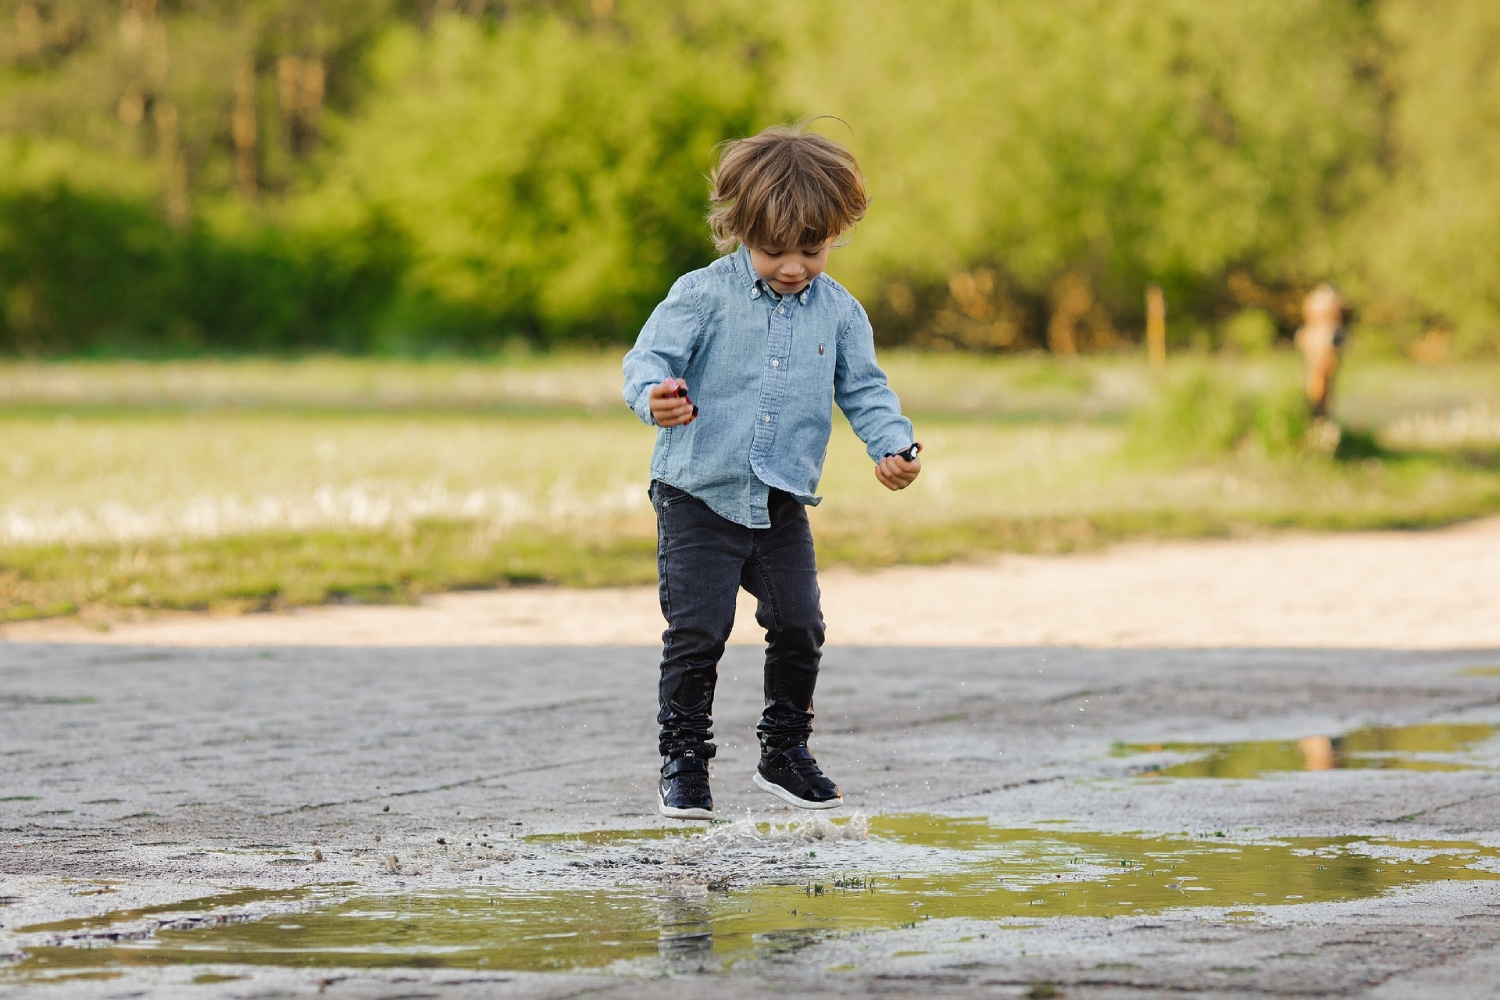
[
  {"x": 98, "y": 273},
  {"x": 1202, "y": 415},
  {"x": 80, "y": 269},
  {"x": 549, "y": 178},
  {"x": 536, "y": 168},
  {"x": 1250, "y": 331}
]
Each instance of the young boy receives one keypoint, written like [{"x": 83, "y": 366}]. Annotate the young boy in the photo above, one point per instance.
[{"x": 767, "y": 344}]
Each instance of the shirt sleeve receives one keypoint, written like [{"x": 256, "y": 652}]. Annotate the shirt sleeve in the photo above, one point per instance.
[
  {"x": 861, "y": 391},
  {"x": 663, "y": 348}
]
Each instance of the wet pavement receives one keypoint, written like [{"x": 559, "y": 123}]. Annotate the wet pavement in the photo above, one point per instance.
[{"x": 480, "y": 822}]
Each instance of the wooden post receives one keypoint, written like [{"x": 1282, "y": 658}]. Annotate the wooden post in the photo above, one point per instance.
[
  {"x": 244, "y": 128},
  {"x": 1156, "y": 327},
  {"x": 173, "y": 161},
  {"x": 300, "y": 81}
]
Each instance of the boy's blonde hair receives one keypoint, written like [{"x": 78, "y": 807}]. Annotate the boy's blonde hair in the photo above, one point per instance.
[{"x": 782, "y": 188}]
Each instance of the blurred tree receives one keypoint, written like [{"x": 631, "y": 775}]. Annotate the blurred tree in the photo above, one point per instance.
[
  {"x": 1082, "y": 148},
  {"x": 1430, "y": 242},
  {"x": 183, "y": 82},
  {"x": 463, "y": 171},
  {"x": 550, "y": 175}
]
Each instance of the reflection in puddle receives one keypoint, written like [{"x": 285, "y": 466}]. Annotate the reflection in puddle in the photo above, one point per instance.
[
  {"x": 204, "y": 904},
  {"x": 934, "y": 867},
  {"x": 1431, "y": 746}
]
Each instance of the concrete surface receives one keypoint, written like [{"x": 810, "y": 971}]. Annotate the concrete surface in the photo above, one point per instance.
[{"x": 135, "y": 776}]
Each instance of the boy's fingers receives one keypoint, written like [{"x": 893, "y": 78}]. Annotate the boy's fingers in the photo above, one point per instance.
[
  {"x": 671, "y": 387},
  {"x": 896, "y": 473},
  {"x": 670, "y": 410}
]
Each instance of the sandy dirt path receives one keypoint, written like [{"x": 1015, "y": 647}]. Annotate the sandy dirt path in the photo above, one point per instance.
[{"x": 1394, "y": 590}]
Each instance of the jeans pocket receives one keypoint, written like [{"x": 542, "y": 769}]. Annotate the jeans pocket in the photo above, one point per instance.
[{"x": 663, "y": 494}]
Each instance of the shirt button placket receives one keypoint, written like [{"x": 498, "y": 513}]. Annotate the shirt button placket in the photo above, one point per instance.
[{"x": 776, "y": 383}]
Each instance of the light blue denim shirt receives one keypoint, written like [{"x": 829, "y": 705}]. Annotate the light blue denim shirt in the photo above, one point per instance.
[{"x": 764, "y": 371}]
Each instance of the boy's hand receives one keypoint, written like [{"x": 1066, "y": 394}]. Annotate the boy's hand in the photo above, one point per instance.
[
  {"x": 670, "y": 405},
  {"x": 896, "y": 473}
]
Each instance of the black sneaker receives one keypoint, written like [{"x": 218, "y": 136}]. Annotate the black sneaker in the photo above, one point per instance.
[
  {"x": 684, "y": 790},
  {"x": 793, "y": 776}
]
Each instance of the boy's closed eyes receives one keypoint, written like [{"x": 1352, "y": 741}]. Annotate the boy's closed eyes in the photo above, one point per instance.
[{"x": 788, "y": 270}]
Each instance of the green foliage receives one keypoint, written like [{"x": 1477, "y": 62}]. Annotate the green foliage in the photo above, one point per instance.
[
  {"x": 83, "y": 272},
  {"x": 1128, "y": 142},
  {"x": 1430, "y": 241},
  {"x": 1250, "y": 331},
  {"x": 270, "y": 570},
  {"x": 385, "y": 479},
  {"x": 527, "y": 176},
  {"x": 550, "y": 179},
  {"x": 370, "y": 175},
  {"x": 1200, "y": 415}
]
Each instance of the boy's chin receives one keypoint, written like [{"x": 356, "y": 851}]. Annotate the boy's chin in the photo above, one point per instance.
[{"x": 782, "y": 289}]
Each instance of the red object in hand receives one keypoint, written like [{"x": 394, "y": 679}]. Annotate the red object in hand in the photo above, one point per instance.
[{"x": 682, "y": 394}]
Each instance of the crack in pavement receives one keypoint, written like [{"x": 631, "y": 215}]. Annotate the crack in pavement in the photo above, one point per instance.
[
  {"x": 1085, "y": 693},
  {"x": 1007, "y": 786},
  {"x": 1408, "y": 817},
  {"x": 446, "y": 786}
]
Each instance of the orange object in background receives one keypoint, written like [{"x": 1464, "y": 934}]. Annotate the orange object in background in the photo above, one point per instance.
[
  {"x": 1320, "y": 339},
  {"x": 1317, "y": 753}
]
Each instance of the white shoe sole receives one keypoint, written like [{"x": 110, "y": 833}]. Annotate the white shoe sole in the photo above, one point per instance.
[
  {"x": 788, "y": 797},
  {"x": 671, "y": 812}
]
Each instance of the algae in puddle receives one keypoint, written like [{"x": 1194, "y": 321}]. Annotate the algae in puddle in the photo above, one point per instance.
[
  {"x": 202, "y": 904},
  {"x": 957, "y": 868},
  {"x": 1429, "y": 746}
]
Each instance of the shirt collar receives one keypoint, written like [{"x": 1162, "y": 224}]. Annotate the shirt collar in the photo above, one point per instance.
[{"x": 754, "y": 286}]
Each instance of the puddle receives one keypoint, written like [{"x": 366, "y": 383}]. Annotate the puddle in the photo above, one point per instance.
[
  {"x": 611, "y": 836},
  {"x": 1429, "y": 746},
  {"x": 187, "y": 907},
  {"x": 929, "y": 867}
]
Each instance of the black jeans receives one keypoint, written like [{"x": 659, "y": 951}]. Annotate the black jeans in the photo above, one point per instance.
[{"x": 702, "y": 562}]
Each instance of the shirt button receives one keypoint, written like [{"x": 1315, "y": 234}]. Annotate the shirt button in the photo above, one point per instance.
[
  {"x": 781, "y": 310},
  {"x": 765, "y": 418},
  {"x": 775, "y": 363}
]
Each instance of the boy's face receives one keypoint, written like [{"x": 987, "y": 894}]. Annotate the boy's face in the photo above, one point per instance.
[{"x": 788, "y": 270}]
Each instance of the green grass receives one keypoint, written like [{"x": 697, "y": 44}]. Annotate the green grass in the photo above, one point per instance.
[
  {"x": 247, "y": 485},
  {"x": 266, "y": 571}
]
